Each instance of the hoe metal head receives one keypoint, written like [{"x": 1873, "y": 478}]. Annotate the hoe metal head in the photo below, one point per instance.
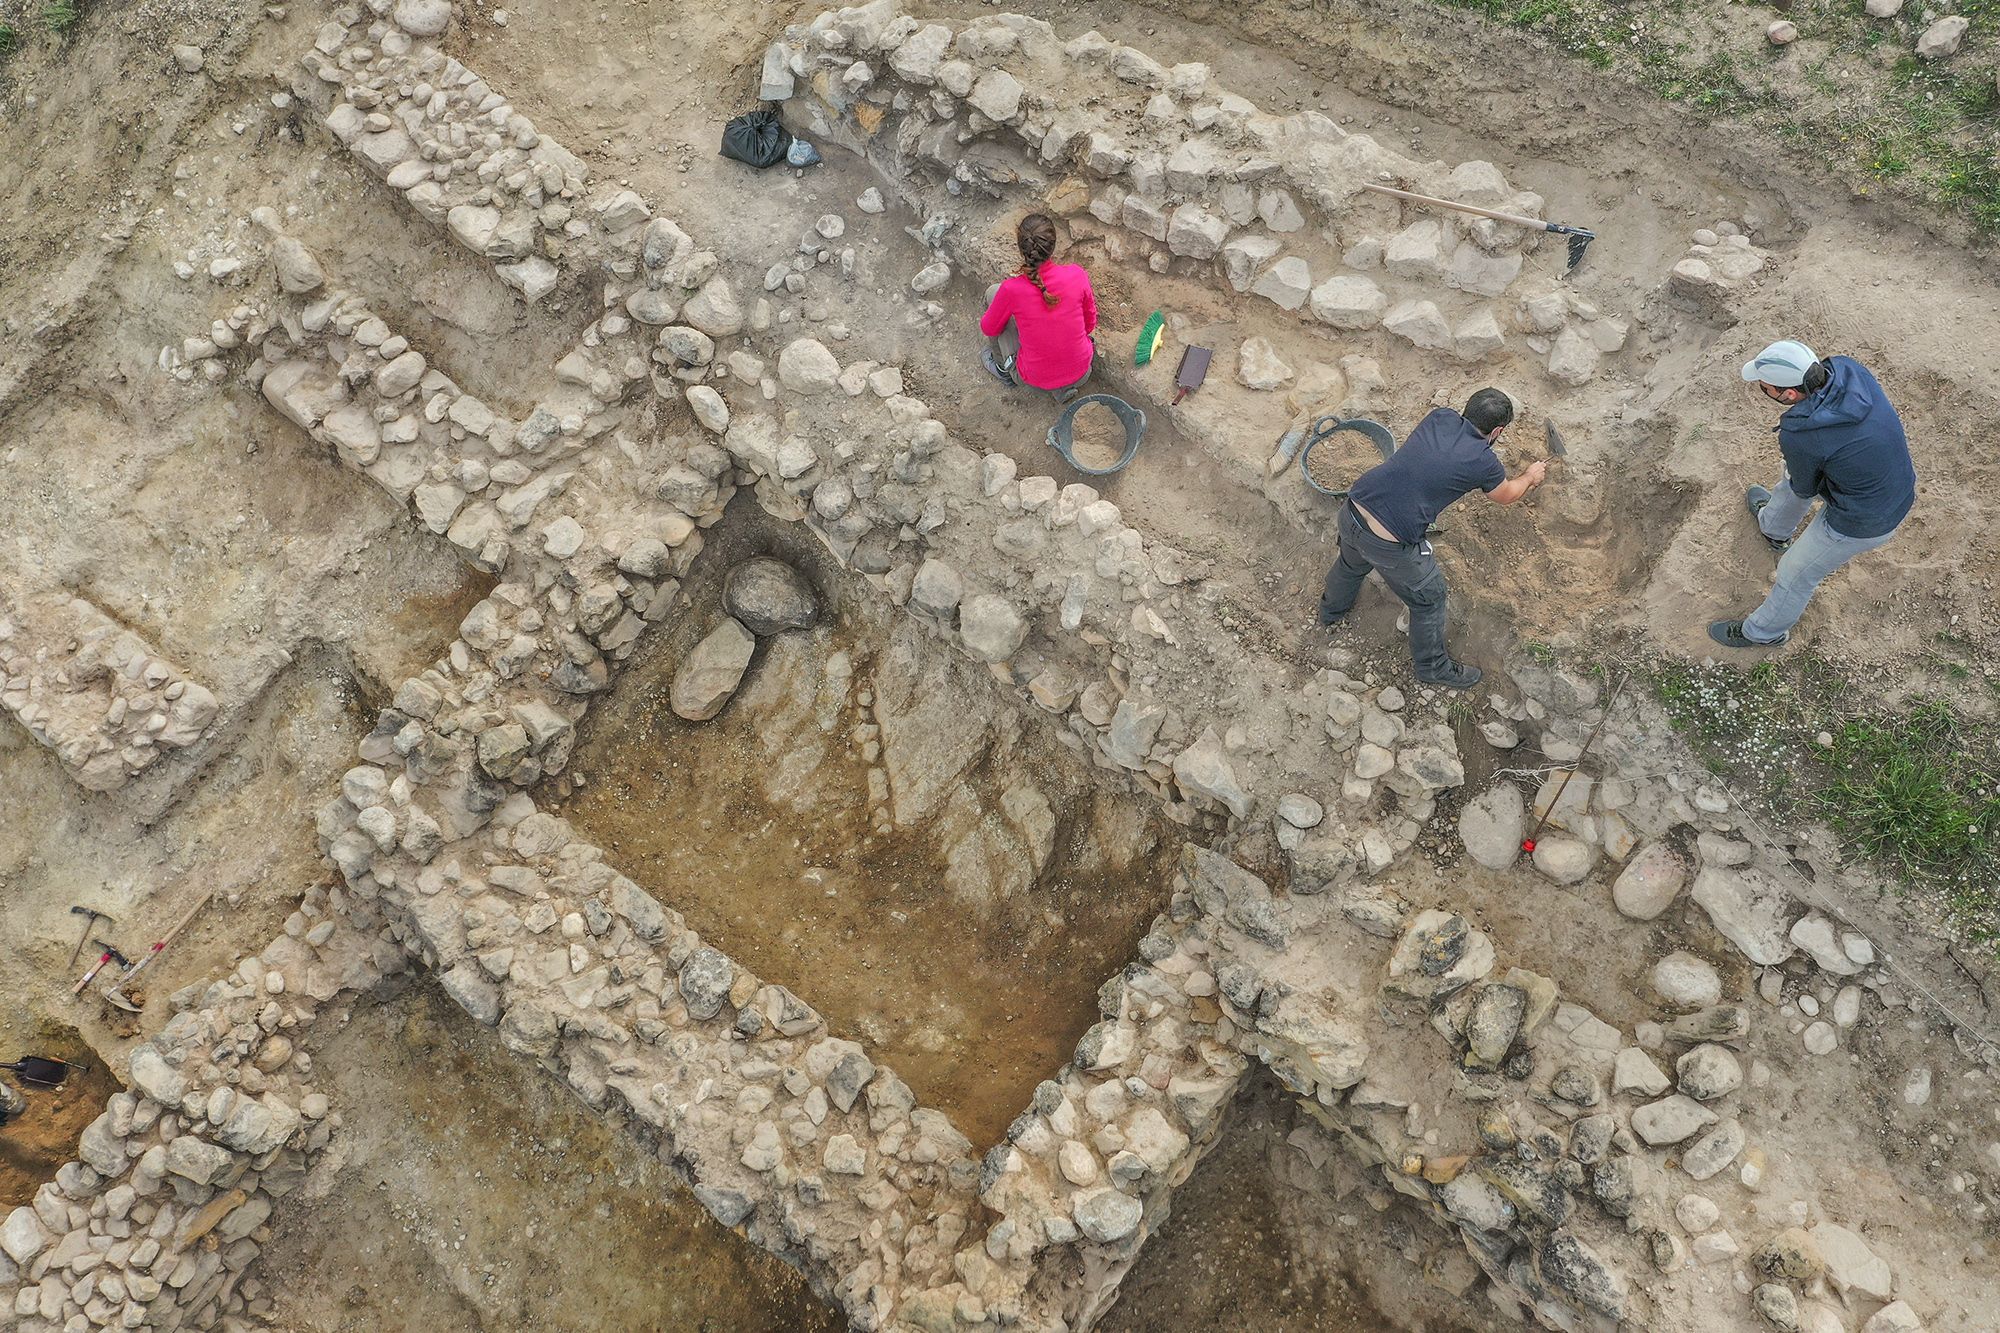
[{"x": 1579, "y": 241}]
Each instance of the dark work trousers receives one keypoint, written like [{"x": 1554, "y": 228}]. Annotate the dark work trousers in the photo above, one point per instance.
[{"x": 1411, "y": 572}]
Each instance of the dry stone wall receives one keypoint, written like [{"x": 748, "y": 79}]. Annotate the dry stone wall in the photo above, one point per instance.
[
  {"x": 588, "y": 518},
  {"x": 158, "y": 1222},
  {"x": 1184, "y": 174},
  {"x": 94, "y": 692}
]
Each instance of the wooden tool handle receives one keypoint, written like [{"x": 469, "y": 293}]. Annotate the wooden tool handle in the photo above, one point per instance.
[{"x": 1495, "y": 214}]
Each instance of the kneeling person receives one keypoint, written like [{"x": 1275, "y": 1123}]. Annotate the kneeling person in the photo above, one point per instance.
[{"x": 1382, "y": 525}]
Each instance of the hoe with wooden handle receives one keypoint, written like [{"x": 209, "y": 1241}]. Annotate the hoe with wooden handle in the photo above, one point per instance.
[{"x": 1579, "y": 237}]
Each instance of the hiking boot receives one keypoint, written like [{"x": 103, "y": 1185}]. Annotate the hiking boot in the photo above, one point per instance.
[
  {"x": 1325, "y": 619},
  {"x": 1458, "y": 676},
  {"x": 1757, "y": 497},
  {"x": 1729, "y": 633},
  {"x": 996, "y": 370}
]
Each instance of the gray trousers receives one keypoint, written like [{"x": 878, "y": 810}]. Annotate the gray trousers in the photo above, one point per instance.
[
  {"x": 1814, "y": 554},
  {"x": 1411, "y": 572}
]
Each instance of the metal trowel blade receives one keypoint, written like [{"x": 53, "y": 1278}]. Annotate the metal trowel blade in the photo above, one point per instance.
[{"x": 1557, "y": 448}]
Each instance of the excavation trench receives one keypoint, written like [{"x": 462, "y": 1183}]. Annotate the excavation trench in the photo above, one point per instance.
[
  {"x": 466, "y": 1189},
  {"x": 874, "y": 824}
]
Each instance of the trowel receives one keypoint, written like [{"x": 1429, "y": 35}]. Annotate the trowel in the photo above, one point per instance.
[{"x": 1557, "y": 449}]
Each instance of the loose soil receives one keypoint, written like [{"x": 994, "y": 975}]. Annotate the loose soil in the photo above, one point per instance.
[
  {"x": 1261, "y": 1239},
  {"x": 1338, "y": 461},
  {"x": 1097, "y": 436},
  {"x": 38, "y": 1141}
]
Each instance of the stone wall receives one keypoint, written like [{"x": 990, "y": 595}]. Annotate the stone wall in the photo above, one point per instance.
[
  {"x": 1187, "y": 175},
  {"x": 93, "y": 691},
  {"x": 157, "y": 1223}
]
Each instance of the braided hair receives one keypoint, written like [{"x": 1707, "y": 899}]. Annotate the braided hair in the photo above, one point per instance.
[{"x": 1037, "y": 238}]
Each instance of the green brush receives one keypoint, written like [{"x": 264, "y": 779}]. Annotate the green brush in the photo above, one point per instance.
[{"x": 1150, "y": 337}]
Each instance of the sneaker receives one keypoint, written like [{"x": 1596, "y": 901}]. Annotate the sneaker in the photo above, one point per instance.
[
  {"x": 1729, "y": 633},
  {"x": 1757, "y": 497},
  {"x": 1458, "y": 676},
  {"x": 996, "y": 370}
]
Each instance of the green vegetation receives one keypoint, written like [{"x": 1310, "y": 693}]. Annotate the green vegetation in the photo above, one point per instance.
[
  {"x": 1913, "y": 789},
  {"x": 1927, "y": 130},
  {"x": 59, "y": 16},
  {"x": 9, "y": 39}
]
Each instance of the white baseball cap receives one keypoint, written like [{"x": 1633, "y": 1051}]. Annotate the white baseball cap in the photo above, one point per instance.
[{"x": 1782, "y": 365}]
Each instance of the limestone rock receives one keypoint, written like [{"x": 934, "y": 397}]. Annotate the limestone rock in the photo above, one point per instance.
[
  {"x": 992, "y": 628},
  {"x": 704, "y": 981},
  {"x": 1349, "y": 301},
  {"x": 768, "y": 597},
  {"x": 710, "y": 673},
  {"x": 423, "y": 18},
  {"x": 1942, "y": 38},
  {"x": 805, "y": 366},
  {"x": 298, "y": 271},
  {"x": 1438, "y": 954},
  {"x": 1287, "y": 283},
  {"x": 1686, "y": 981},
  {"x": 1749, "y": 908},
  {"x": 1708, "y": 1072},
  {"x": 1670, "y": 1120},
  {"x": 1104, "y": 1215},
  {"x": 1258, "y": 365},
  {"x": 1649, "y": 883},
  {"x": 1850, "y": 1264},
  {"x": 1492, "y": 825},
  {"x": 1419, "y": 323},
  {"x": 1714, "y": 1151},
  {"x": 1204, "y": 770},
  {"x": 1564, "y": 859},
  {"x": 1634, "y": 1071}
]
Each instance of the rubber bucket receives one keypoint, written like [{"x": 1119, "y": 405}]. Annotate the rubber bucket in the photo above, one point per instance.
[
  {"x": 1326, "y": 428},
  {"x": 1062, "y": 434}
]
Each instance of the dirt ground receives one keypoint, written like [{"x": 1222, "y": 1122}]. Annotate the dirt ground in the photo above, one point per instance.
[
  {"x": 1264, "y": 1237},
  {"x": 566, "y": 1224},
  {"x": 301, "y": 596}
]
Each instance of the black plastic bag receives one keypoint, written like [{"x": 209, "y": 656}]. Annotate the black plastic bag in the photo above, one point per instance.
[{"x": 756, "y": 137}]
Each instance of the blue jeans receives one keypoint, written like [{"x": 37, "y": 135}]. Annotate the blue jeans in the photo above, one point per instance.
[
  {"x": 1411, "y": 573},
  {"x": 1813, "y": 555}
]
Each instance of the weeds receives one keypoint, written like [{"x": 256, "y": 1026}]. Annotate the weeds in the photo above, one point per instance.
[
  {"x": 9, "y": 39},
  {"x": 1913, "y": 791},
  {"x": 1919, "y": 129},
  {"x": 59, "y": 16}
]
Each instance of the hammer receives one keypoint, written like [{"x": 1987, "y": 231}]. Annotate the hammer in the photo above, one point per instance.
[
  {"x": 88, "y": 926},
  {"x": 109, "y": 955}
]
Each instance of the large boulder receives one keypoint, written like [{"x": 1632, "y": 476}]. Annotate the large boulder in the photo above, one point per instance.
[
  {"x": 711, "y": 673},
  {"x": 769, "y": 596}
]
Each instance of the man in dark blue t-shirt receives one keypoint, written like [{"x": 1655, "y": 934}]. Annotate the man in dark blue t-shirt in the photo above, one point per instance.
[
  {"x": 1389, "y": 509},
  {"x": 1843, "y": 444}
]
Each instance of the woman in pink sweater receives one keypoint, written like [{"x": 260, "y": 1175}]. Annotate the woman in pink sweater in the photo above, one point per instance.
[{"x": 1040, "y": 322}]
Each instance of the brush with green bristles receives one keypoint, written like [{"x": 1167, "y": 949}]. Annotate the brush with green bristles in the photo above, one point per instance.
[{"x": 1150, "y": 337}]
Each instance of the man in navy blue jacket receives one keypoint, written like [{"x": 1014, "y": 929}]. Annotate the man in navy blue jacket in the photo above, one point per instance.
[
  {"x": 1382, "y": 525},
  {"x": 1842, "y": 444}
]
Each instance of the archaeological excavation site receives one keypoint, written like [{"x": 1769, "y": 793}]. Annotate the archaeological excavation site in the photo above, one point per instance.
[{"x": 581, "y": 752}]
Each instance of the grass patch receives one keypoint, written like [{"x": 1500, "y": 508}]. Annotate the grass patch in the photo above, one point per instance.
[
  {"x": 59, "y": 16},
  {"x": 1916, "y": 129},
  {"x": 1914, "y": 790},
  {"x": 9, "y": 39}
]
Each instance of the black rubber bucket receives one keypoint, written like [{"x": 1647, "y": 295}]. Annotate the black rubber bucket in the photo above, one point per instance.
[
  {"x": 1325, "y": 428},
  {"x": 1062, "y": 439}
]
